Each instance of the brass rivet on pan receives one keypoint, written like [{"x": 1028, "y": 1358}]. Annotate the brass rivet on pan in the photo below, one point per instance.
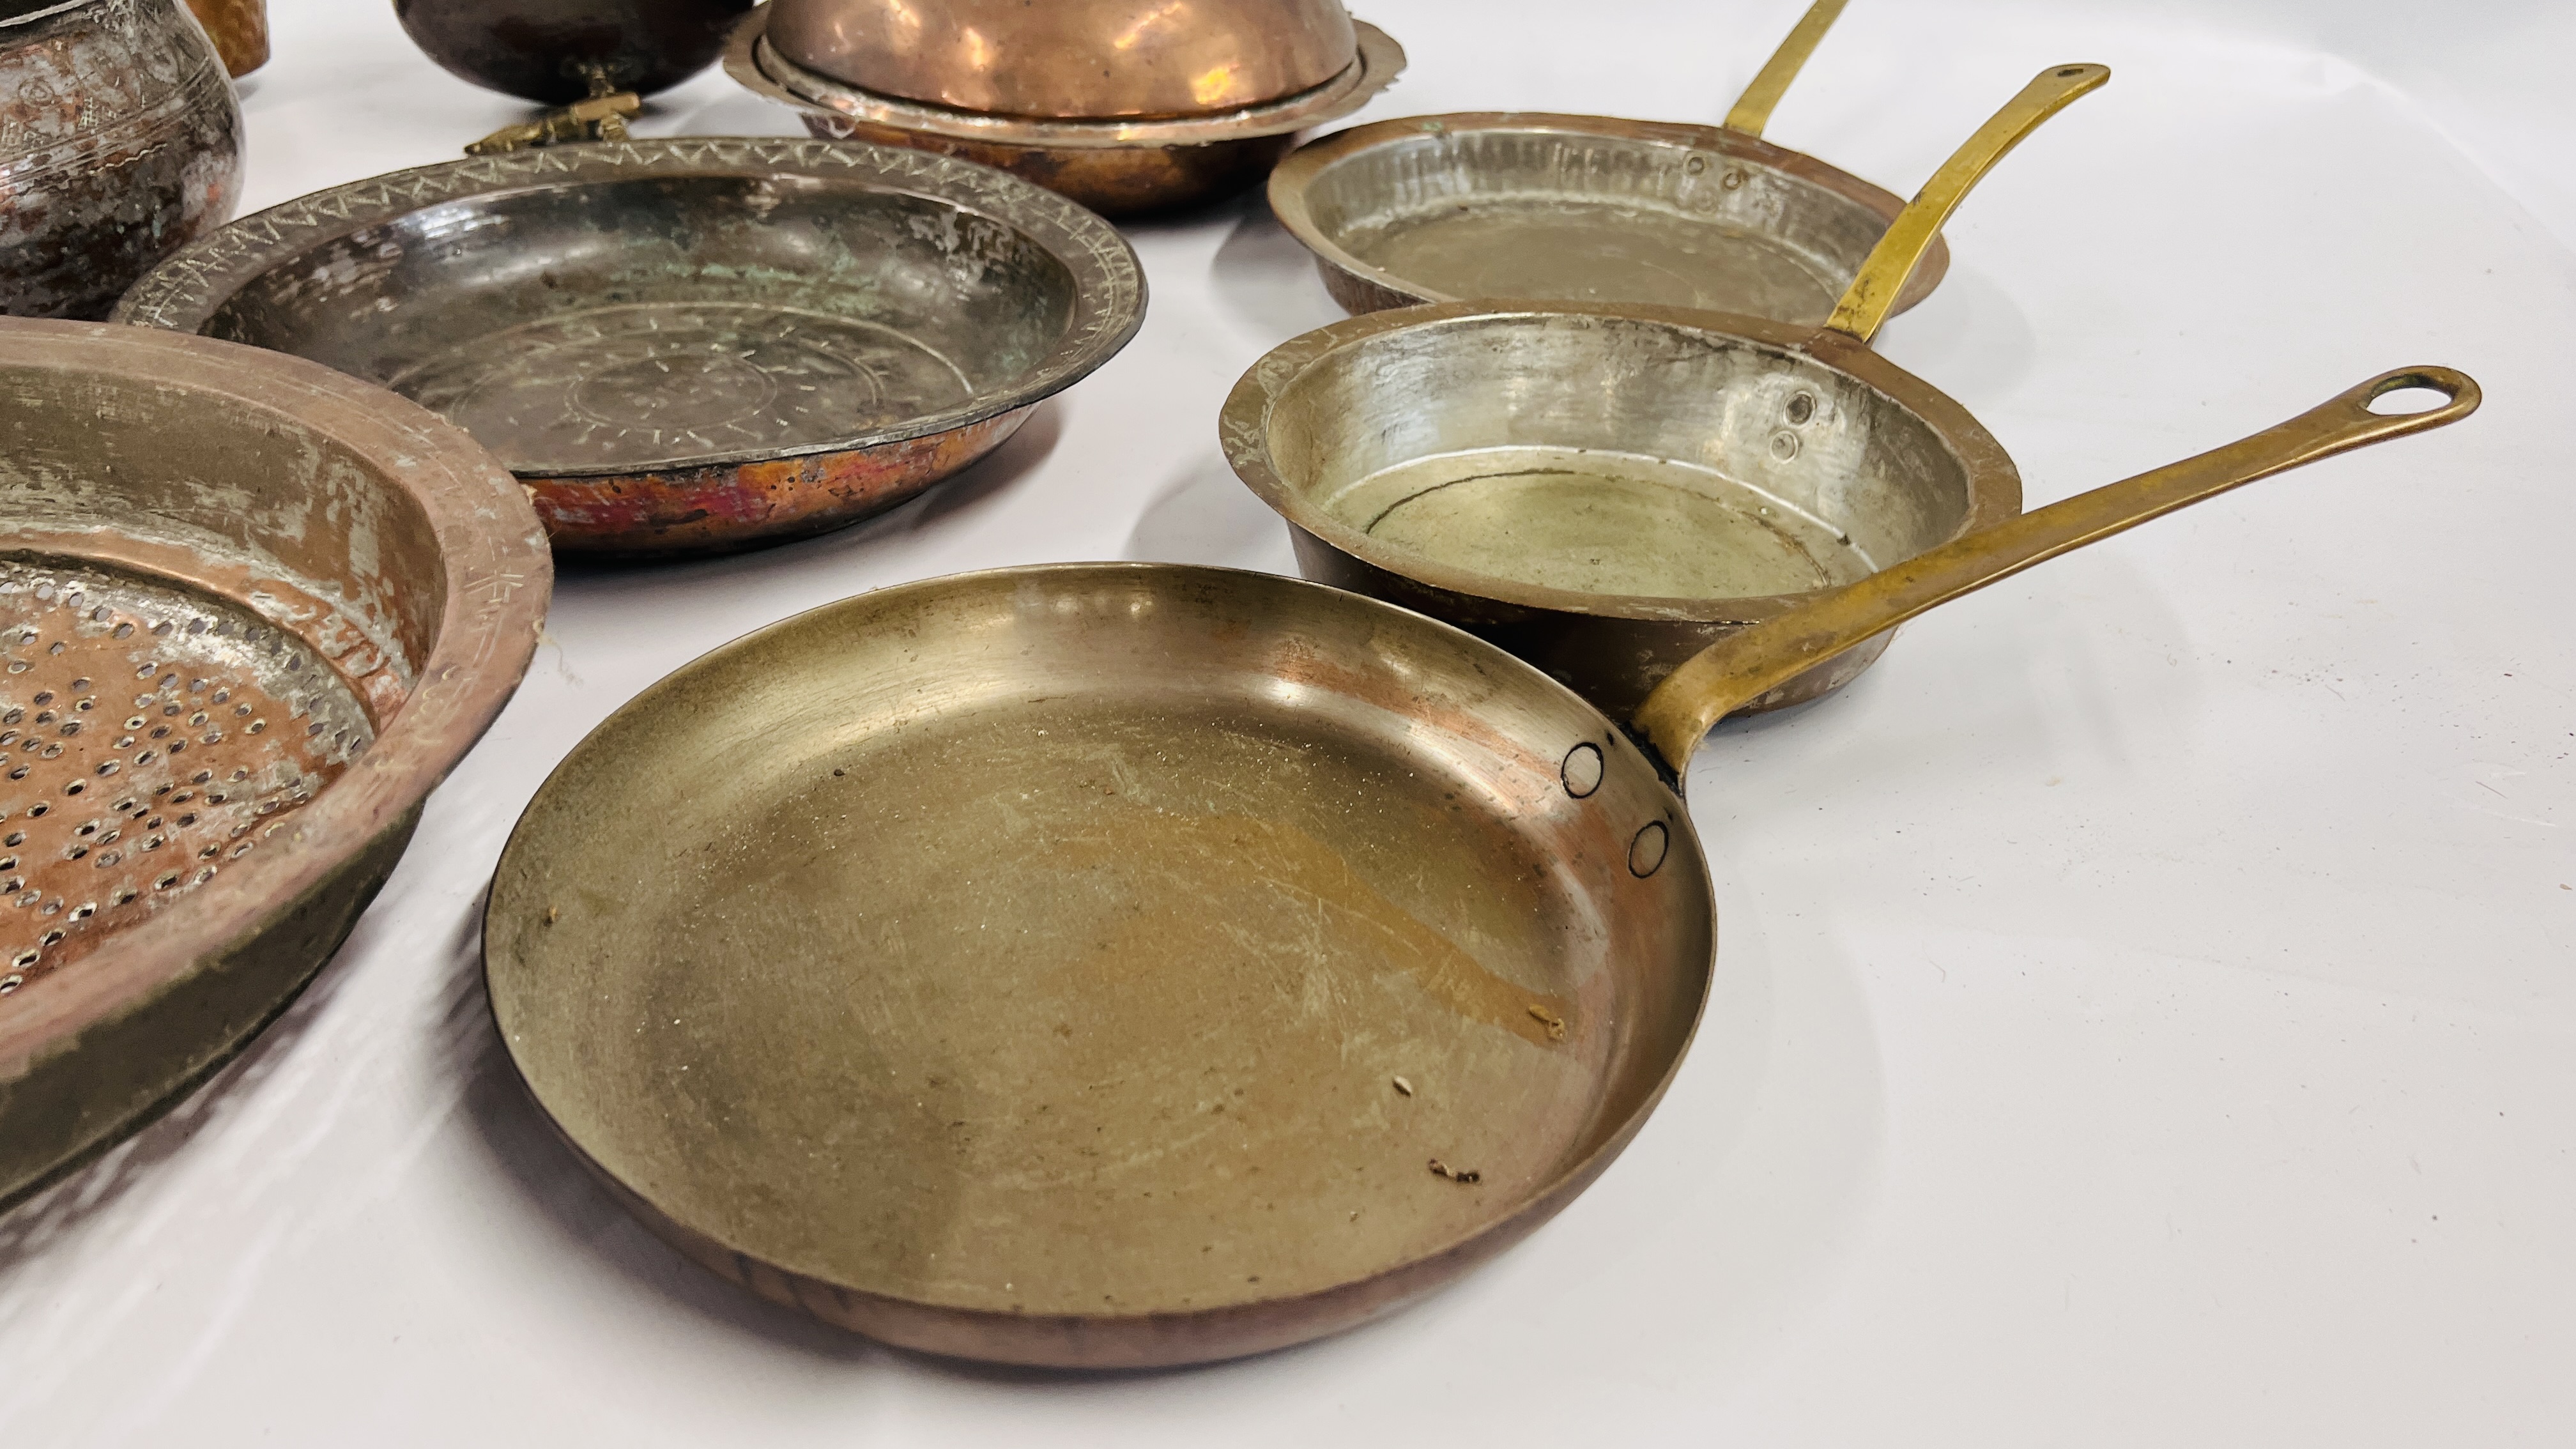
[
  {"x": 1582, "y": 771},
  {"x": 1647, "y": 852}
]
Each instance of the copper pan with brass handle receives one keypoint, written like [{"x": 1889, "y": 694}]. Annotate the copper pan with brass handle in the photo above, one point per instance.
[
  {"x": 1605, "y": 489},
  {"x": 1544, "y": 207},
  {"x": 1124, "y": 966}
]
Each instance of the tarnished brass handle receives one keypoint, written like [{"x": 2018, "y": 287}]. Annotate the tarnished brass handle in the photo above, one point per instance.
[
  {"x": 1891, "y": 263},
  {"x": 1753, "y": 110},
  {"x": 1759, "y": 658},
  {"x": 602, "y": 117}
]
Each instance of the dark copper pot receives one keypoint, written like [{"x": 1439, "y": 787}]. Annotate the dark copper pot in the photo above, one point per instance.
[
  {"x": 120, "y": 143},
  {"x": 545, "y": 50}
]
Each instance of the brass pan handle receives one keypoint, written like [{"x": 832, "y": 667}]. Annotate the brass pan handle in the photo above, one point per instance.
[
  {"x": 1891, "y": 263},
  {"x": 1753, "y": 110},
  {"x": 1759, "y": 658}
]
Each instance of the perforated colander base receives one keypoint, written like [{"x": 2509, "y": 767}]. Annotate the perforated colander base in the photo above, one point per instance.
[{"x": 149, "y": 738}]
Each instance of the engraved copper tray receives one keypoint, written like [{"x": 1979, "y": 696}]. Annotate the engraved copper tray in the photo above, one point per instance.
[
  {"x": 685, "y": 346},
  {"x": 251, "y": 612}
]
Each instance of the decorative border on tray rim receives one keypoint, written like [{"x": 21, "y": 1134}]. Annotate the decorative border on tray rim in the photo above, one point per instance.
[{"x": 183, "y": 293}]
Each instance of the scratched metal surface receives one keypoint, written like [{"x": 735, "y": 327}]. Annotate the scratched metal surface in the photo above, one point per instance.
[{"x": 2141, "y": 1013}]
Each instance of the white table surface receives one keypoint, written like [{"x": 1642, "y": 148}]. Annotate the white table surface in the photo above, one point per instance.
[{"x": 2147, "y": 1008}]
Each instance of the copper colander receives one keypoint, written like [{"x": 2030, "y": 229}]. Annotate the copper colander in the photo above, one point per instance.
[{"x": 251, "y": 611}]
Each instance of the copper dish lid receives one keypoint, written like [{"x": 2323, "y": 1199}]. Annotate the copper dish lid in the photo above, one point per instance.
[{"x": 1072, "y": 59}]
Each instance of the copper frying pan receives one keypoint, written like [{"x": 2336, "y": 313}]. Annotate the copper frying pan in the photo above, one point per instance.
[
  {"x": 1592, "y": 208},
  {"x": 1137, "y": 965}
]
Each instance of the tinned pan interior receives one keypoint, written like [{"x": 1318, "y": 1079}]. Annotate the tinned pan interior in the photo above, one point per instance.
[
  {"x": 1831, "y": 433},
  {"x": 1588, "y": 208}
]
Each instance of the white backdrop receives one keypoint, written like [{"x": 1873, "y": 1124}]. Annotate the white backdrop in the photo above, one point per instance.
[{"x": 2147, "y": 1011}]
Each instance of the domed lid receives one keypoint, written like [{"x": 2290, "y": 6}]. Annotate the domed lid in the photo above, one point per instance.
[{"x": 1071, "y": 59}]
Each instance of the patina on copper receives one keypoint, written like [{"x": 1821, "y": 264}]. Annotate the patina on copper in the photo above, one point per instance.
[
  {"x": 1120, "y": 966},
  {"x": 1121, "y": 165},
  {"x": 691, "y": 345},
  {"x": 549, "y": 51},
  {"x": 251, "y": 612},
  {"x": 120, "y": 142}
]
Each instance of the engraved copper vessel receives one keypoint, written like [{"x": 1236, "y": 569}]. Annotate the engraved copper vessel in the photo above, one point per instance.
[
  {"x": 1126, "y": 106},
  {"x": 692, "y": 345},
  {"x": 120, "y": 142}
]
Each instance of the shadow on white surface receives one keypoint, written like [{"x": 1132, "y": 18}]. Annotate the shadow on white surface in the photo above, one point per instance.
[
  {"x": 1970, "y": 339},
  {"x": 1265, "y": 277},
  {"x": 1207, "y": 516}
]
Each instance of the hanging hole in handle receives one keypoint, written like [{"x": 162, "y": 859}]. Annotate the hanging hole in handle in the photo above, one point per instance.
[
  {"x": 2407, "y": 396},
  {"x": 2069, "y": 72}
]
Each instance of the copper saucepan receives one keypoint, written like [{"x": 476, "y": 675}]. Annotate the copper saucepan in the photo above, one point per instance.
[
  {"x": 1605, "y": 489},
  {"x": 1137, "y": 965},
  {"x": 1591, "y": 209}
]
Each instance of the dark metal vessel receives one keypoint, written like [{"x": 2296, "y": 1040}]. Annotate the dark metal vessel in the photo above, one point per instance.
[
  {"x": 120, "y": 142},
  {"x": 547, "y": 51},
  {"x": 691, "y": 345}
]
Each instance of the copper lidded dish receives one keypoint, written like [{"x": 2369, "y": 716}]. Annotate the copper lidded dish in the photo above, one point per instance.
[
  {"x": 1124, "y": 105},
  {"x": 685, "y": 346},
  {"x": 251, "y": 612}
]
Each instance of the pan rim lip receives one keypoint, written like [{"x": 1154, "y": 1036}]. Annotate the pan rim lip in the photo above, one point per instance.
[
  {"x": 1534, "y": 1207},
  {"x": 1993, "y": 481},
  {"x": 749, "y": 59},
  {"x": 1109, "y": 294},
  {"x": 497, "y": 573},
  {"x": 1293, "y": 180}
]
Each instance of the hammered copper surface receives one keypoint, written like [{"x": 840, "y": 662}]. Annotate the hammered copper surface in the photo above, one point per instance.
[
  {"x": 120, "y": 142},
  {"x": 1119, "y": 966},
  {"x": 548, "y": 51},
  {"x": 686, "y": 345},
  {"x": 1119, "y": 166},
  {"x": 1072, "y": 59},
  {"x": 250, "y": 612}
]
